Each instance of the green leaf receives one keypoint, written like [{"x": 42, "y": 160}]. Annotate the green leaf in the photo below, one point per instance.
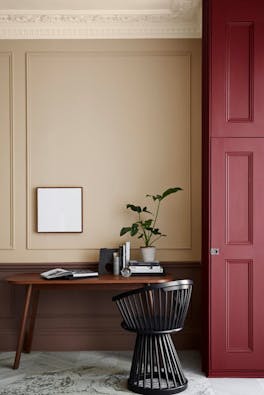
[
  {"x": 156, "y": 231},
  {"x": 140, "y": 236},
  {"x": 132, "y": 207},
  {"x": 154, "y": 197},
  {"x": 147, "y": 223},
  {"x": 145, "y": 210},
  {"x": 170, "y": 191},
  {"x": 123, "y": 231},
  {"x": 134, "y": 229}
]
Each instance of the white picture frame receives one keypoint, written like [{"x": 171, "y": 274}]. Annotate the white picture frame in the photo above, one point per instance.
[{"x": 59, "y": 209}]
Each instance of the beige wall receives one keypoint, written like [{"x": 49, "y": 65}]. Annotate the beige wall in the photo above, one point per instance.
[{"x": 121, "y": 118}]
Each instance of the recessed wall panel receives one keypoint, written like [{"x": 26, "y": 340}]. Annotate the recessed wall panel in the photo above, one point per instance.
[
  {"x": 239, "y": 305},
  {"x": 240, "y": 72},
  {"x": 6, "y": 152},
  {"x": 108, "y": 121},
  {"x": 239, "y": 194}
]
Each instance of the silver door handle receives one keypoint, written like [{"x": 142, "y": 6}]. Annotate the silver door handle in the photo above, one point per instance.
[{"x": 214, "y": 251}]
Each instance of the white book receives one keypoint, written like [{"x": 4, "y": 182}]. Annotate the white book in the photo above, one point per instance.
[
  {"x": 124, "y": 256},
  {"x": 80, "y": 273},
  {"x": 146, "y": 269},
  {"x": 127, "y": 252}
]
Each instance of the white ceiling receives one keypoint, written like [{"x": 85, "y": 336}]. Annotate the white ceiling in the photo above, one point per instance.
[{"x": 100, "y": 18}]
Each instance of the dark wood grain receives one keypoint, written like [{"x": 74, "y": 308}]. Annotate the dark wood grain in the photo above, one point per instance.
[
  {"x": 34, "y": 282},
  {"x": 63, "y": 321},
  {"x": 21, "y": 336},
  {"x": 104, "y": 279}
]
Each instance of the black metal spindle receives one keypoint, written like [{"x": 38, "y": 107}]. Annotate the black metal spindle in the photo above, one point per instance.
[
  {"x": 151, "y": 360},
  {"x": 164, "y": 365},
  {"x": 140, "y": 360},
  {"x": 121, "y": 305},
  {"x": 132, "y": 313},
  {"x": 149, "y": 312},
  {"x": 181, "y": 376},
  {"x": 166, "y": 315},
  {"x": 143, "y": 312},
  {"x": 169, "y": 360},
  {"x": 176, "y": 309},
  {"x": 125, "y": 313},
  {"x": 135, "y": 359},
  {"x": 171, "y": 309},
  {"x": 138, "y": 313}
]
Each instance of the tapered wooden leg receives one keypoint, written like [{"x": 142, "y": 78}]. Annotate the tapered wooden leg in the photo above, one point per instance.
[
  {"x": 23, "y": 327},
  {"x": 34, "y": 309}
]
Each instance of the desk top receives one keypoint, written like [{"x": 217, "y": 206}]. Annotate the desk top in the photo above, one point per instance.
[{"x": 104, "y": 279}]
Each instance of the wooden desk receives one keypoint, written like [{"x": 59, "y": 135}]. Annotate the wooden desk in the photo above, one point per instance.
[{"x": 34, "y": 283}]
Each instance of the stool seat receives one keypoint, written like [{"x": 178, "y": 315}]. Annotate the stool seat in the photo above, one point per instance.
[{"x": 154, "y": 312}]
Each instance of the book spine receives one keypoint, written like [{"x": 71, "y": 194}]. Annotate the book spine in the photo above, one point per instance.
[
  {"x": 135, "y": 269},
  {"x": 141, "y": 263},
  {"x": 124, "y": 256},
  {"x": 127, "y": 252},
  {"x": 120, "y": 258}
]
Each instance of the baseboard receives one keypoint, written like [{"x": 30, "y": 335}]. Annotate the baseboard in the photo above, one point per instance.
[{"x": 239, "y": 373}]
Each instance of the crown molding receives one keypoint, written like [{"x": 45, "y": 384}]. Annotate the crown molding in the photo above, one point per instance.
[{"x": 178, "y": 22}]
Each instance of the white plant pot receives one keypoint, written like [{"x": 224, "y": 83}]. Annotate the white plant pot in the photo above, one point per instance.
[{"x": 148, "y": 254}]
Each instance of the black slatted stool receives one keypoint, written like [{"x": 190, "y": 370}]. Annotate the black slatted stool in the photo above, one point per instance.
[{"x": 154, "y": 312}]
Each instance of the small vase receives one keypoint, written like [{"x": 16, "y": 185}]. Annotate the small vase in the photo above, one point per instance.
[{"x": 148, "y": 254}]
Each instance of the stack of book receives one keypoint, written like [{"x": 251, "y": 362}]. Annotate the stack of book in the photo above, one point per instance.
[
  {"x": 124, "y": 255},
  {"x": 137, "y": 267},
  {"x": 146, "y": 268}
]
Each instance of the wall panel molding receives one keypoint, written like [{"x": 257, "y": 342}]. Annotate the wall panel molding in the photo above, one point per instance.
[
  {"x": 11, "y": 245},
  {"x": 188, "y": 244}
]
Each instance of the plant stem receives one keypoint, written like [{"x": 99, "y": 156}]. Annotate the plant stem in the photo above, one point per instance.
[
  {"x": 156, "y": 216},
  {"x": 157, "y": 238},
  {"x": 148, "y": 244},
  {"x": 144, "y": 232}
]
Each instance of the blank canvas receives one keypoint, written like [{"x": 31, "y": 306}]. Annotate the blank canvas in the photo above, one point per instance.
[{"x": 59, "y": 209}]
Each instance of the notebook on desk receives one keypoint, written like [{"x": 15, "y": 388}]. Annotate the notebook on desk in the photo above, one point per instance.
[{"x": 60, "y": 273}]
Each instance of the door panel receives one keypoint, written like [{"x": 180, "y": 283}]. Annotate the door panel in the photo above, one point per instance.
[
  {"x": 237, "y": 62},
  {"x": 237, "y": 273}
]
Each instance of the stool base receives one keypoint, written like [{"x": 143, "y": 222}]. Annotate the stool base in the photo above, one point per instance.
[{"x": 156, "y": 369}]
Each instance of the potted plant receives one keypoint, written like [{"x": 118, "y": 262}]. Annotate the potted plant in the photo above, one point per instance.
[{"x": 145, "y": 227}]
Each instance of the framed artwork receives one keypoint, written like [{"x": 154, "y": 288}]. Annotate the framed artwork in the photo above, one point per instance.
[{"x": 60, "y": 209}]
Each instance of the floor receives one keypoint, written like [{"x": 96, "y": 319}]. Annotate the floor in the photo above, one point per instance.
[{"x": 95, "y": 373}]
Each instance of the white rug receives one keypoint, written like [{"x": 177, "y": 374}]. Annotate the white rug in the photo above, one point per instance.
[{"x": 98, "y": 373}]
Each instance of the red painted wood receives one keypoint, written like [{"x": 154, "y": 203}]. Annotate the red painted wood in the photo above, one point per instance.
[
  {"x": 233, "y": 190},
  {"x": 237, "y": 63},
  {"x": 238, "y": 168},
  {"x": 239, "y": 68},
  {"x": 239, "y": 320},
  {"x": 236, "y": 274},
  {"x": 205, "y": 183}
]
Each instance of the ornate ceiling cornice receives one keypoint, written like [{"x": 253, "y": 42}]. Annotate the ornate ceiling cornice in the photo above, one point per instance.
[{"x": 179, "y": 22}]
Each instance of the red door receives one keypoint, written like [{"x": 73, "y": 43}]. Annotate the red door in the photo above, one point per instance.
[
  {"x": 237, "y": 273},
  {"x": 233, "y": 186}
]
